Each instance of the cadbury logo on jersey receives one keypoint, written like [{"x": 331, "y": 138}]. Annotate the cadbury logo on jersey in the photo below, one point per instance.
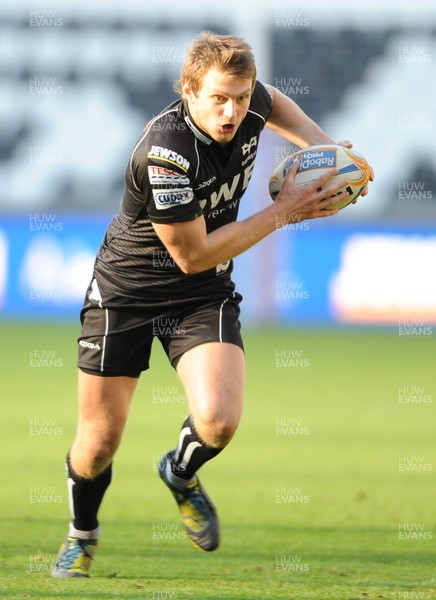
[
  {"x": 170, "y": 156},
  {"x": 167, "y": 198}
]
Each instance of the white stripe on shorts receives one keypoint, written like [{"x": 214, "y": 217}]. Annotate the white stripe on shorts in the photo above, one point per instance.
[
  {"x": 221, "y": 320},
  {"x": 220, "y": 326},
  {"x": 104, "y": 340}
]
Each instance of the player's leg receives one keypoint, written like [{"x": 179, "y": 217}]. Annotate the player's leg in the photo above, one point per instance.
[
  {"x": 213, "y": 375},
  {"x": 104, "y": 404},
  {"x": 103, "y": 408}
]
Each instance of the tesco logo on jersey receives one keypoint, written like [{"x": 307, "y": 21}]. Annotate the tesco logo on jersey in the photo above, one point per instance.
[
  {"x": 168, "y": 198},
  {"x": 163, "y": 176}
]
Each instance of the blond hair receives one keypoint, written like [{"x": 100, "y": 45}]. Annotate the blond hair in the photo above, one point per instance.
[{"x": 226, "y": 53}]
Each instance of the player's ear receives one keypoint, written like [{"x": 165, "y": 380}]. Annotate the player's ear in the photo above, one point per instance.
[{"x": 187, "y": 90}]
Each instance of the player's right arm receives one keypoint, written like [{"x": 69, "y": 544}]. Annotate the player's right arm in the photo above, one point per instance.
[{"x": 195, "y": 250}]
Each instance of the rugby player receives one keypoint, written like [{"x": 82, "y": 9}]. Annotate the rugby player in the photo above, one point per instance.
[{"x": 164, "y": 270}]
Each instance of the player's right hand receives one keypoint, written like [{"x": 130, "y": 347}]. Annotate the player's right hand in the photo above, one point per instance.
[{"x": 312, "y": 200}]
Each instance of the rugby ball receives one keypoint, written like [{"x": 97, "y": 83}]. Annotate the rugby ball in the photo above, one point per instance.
[{"x": 316, "y": 160}]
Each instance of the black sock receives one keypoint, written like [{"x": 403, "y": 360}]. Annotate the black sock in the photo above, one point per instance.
[
  {"x": 191, "y": 452},
  {"x": 86, "y": 496}
]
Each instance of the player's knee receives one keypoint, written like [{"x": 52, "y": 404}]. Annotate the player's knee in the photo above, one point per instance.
[
  {"x": 96, "y": 454},
  {"x": 217, "y": 432}
]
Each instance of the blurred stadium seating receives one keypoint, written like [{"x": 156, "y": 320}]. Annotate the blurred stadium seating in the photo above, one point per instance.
[
  {"x": 74, "y": 98},
  {"x": 78, "y": 82}
]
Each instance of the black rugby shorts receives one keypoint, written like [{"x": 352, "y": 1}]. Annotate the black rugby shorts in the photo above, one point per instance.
[{"x": 117, "y": 339}]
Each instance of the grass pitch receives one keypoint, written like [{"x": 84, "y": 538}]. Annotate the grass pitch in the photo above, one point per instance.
[{"x": 327, "y": 490}]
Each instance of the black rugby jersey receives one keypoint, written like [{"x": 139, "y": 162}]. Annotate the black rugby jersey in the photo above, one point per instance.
[{"x": 176, "y": 173}]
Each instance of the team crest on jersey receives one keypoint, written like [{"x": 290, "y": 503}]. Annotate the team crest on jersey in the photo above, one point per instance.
[
  {"x": 163, "y": 176},
  {"x": 172, "y": 197},
  {"x": 246, "y": 148}
]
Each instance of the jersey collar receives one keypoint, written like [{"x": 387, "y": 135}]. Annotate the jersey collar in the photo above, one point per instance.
[{"x": 193, "y": 127}]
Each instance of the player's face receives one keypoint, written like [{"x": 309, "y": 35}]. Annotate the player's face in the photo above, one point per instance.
[{"x": 220, "y": 105}]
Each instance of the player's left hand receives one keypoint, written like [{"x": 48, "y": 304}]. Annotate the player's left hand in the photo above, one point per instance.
[{"x": 348, "y": 144}]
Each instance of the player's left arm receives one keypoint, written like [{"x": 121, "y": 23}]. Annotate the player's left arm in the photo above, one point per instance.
[{"x": 291, "y": 122}]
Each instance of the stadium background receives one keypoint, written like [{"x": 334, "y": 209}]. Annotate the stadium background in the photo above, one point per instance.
[{"x": 79, "y": 81}]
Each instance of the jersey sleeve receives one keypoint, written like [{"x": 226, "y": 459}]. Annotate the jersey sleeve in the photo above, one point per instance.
[
  {"x": 261, "y": 101},
  {"x": 162, "y": 171}
]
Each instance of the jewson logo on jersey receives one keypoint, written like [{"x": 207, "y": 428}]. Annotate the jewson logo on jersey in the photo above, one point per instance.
[
  {"x": 163, "y": 176},
  {"x": 170, "y": 156},
  {"x": 316, "y": 160},
  {"x": 167, "y": 198}
]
